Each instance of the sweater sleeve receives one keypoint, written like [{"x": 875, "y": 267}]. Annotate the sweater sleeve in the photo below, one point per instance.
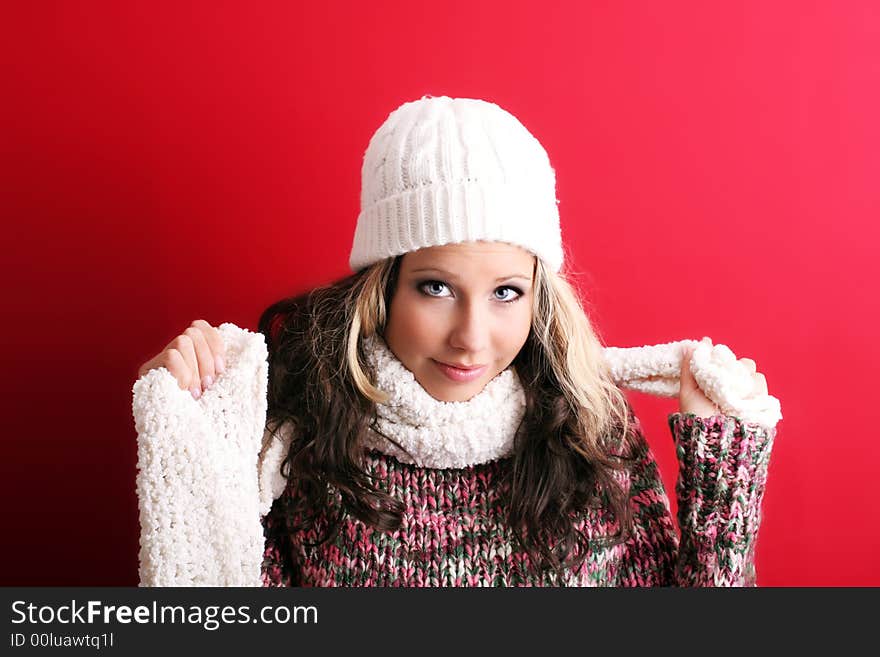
[
  {"x": 722, "y": 475},
  {"x": 277, "y": 568},
  {"x": 723, "y": 464}
]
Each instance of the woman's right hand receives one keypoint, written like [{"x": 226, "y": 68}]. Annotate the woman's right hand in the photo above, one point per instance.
[{"x": 195, "y": 358}]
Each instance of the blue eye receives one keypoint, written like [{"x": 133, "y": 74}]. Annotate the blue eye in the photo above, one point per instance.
[
  {"x": 424, "y": 285},
  {"x": 429, "y": 287},
  {"x": 516, "y": 298}
]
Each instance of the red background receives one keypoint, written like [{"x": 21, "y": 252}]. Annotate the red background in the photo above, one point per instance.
[{"x": 717, "y": 167}]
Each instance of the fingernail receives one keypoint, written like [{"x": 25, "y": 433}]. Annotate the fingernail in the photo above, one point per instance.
[
  {"x": 219, "y": 364},
  {"x": 196, "y": 393},
  {"x": 207, "y": 380}
]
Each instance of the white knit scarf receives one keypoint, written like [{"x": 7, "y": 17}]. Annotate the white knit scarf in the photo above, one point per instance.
[{"x": 439, "y": 434}]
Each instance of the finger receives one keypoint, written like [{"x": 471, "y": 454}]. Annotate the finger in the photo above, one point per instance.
[
  {"x": 215, "y": 343},
  {"x": 184, "y": 344},
  {"x": 686, "y": 379},
  {"x": 686, "y": 359},
  {"x": 176, "y": 364},
  {"x": 750, "y": 364},
  {"x": 204, "y": 356}
]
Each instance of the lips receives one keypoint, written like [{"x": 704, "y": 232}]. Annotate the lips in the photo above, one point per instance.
[
  {"x": 461, "y": 374},
  {"x": 461, "y": 367}
]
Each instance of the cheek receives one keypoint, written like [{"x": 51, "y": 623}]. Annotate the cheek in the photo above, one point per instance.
[
  {"x": 411, "y": 322},
  {"x": 520, "y": 323},
  {"x": 516, "y": 330}
]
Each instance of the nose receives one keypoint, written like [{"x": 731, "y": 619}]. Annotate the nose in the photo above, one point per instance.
[{"x": 470, "y": 330}]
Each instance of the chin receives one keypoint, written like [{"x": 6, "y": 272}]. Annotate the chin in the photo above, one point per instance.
[
  {"x": 442, "y": 389},
  {"x": 458, "y": 392}
]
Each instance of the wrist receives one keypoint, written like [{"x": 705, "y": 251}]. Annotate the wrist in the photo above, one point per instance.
[{"x": 702, "y": 409}]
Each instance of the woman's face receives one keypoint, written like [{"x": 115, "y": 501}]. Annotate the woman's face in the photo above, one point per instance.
[{"x": 467, "y": 304}]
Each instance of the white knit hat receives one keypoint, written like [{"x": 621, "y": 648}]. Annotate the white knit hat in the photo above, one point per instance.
[{"x": 442, "y": 170}]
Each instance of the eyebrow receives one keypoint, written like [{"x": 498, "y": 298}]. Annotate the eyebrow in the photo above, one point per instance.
[{"x": 453, "y": 276}]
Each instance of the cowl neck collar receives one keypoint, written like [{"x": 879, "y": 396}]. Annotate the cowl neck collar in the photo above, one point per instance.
[{"x": 440, "y": 434}]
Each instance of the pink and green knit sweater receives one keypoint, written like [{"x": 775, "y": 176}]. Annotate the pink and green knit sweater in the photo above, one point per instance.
[{"x": 454, "y": 531}]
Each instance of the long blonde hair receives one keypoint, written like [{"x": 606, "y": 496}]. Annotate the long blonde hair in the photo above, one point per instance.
[{"x": 573, "y": 438}]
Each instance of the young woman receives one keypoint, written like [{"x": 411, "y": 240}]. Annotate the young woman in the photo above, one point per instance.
[{"x": 446, "y": 416}]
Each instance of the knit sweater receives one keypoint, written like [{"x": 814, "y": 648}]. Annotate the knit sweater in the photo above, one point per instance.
[
  {"x": 453, "y": 531},
  {"x": 212, "y": 500}
]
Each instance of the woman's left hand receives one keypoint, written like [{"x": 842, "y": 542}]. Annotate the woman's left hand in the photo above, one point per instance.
[{"x": 691, "y": 398}]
